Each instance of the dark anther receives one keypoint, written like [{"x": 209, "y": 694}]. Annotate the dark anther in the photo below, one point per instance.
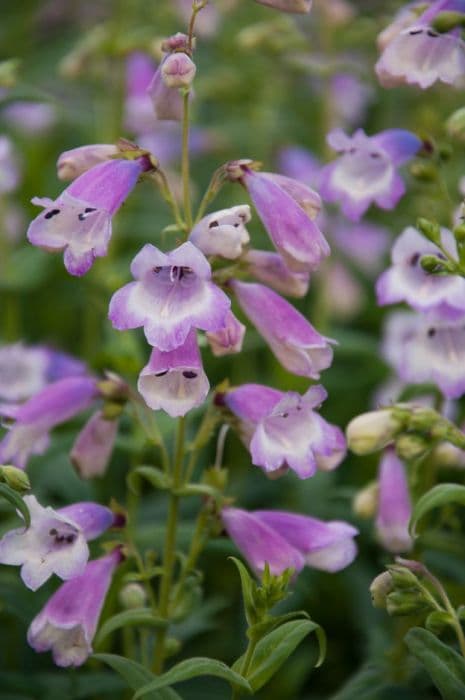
[
  {"x": 70, "y": 539},
  {"x": 412, "y": 32},
  {"x": 414, "y": 259},
  {"x": 161, "y": 374},
  {"x": 236, "y": 225},
  {"x": 432, "y": 34},
  {"x": 87, "y": 210},
  {"x": 375, "y": 155},
  {"x": 53, "y": 532},
  {"x": 285, "y": 415},
  {"x": 189, "y": 375},
  {"x": 51, "y": 213},
  {"x": 157, "y": 270},
  {"x": 212, "y": 224},
  {"x": 431, "y": 332}
]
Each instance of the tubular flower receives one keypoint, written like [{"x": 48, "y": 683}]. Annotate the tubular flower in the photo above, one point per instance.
[
  {"x": 175, "y": 70},
  {"x": 394, "y": 507},
  {"x": 228, "y": 340},
  {"x": 270, "y": 269},
  {"x": 223, "y": 232},
  {"x": 92, "y": 449}
]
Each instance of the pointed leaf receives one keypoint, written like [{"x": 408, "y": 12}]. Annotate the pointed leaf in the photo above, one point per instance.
[
  {"x": 135, "y": 675},
  {"x": 128, "y": 618},
  {"x": 153, "y": 475},
  {"x": 248, "y": 590},
  {"x": 192, "y": 668},
  {"x": 440, "y": 495},
  {"x": 15, "y": 499},
  {"x": 444, "y": 665}
]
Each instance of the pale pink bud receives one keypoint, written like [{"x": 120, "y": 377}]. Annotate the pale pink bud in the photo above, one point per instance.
[
  {"x": 77, "y": 161},
  {"x": 178, "y": 70}
]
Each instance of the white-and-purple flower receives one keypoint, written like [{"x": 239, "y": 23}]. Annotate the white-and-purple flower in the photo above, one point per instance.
[
  {"x": 55, "y": 542},
  {"x": 223, "y": 232},
  {"x": 294, "y": 341},
  {"x": 366, "y": 171},
  {"x": 289, "y": 540},
  {"x": 93, "y": 446},
  {"x": 73, "y": 163},
  {"x": 284, "y": 431},
  {"x": 228, "y": 340},
  {"x": 442, "y": 296},
  {"x": 172, "y": 293},
  {"x": 394, "y": 506},
  {"x": 175, "y": 381},
  {"x": 270, "y": 269},
  {"x": 79, "y": 220},
  {"x": 67, "y": 623}
]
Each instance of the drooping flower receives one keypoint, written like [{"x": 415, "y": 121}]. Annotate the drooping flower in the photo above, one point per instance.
[
  {"x": 394, "y": 506},
  {"x": 293, "y": 6},
  {"x": 79, "y": 220},
  {"x": 270, "y": 269},
  {"x": 228, "y": 340},
  {"x": 71, "y": 164},
  {"x": 178, "y": 70},
  {"x": 93, "y": 446},
  {"x": 25, "y": 370},
  {"x": 55, "y": 542},
  {"x": 287, "y": 209},
  {"x": 294, "y": 341},
  {"x": 421, "y": 350},
  {"x": 139, "y": 117},
  {"x": 283, "y": 430},
  {"x": 420, "y": 55},
  {"x": 441, "y": 295},
  {"x": 366, "y": 171},
  {"x": 288, "y": 540},
  {"x": 67, "y": 623},
  {"x": 167, "y": 100},
  {"x": 172, "y": 294},
  {"x": 223, "y": 233},
  {"x": 175, "y": 381},
  {"x": 55, "y": 404}
]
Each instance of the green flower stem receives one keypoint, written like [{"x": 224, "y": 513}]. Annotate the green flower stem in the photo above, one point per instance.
[
  {"x": 185, "y": 165},
  {"x": 170, "y": 545},
  {"x": 245, "y": 665},
  {"x": 161, "y": 181},
  {"x": 450, "y": 609},
  {"x": 196, "y": 547}
]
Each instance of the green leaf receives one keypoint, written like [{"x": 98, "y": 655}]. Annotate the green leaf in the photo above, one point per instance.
[
  {"x": 248, "y": 590},
  {"x": 444, "y": 665},
  {"x": 135, "y": 675},
  {"x": 15, "y": 499},
  {"x": 153, "y": 475},
  {"x": 128, "y": 618},
  {"x": 262, "y": 628},
  {"x": 368, "y": 683},
  {"x": 440, "y": 495},
  {"x": 274, "y": 649},
  {"x": 438, "y": 620},
  {"x": 192, "y": 668},
  {"x": 198, "y": 490}
]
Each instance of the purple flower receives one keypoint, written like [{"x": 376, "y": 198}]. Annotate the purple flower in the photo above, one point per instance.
[
  {"x": 71, "y": 164},
  {"x": 32, "y": 118},
  {"x": 9, "y": 166},
  {"x": 285, "y": 431},
  {"x": 293, "y": 340},
  {"x": 178, "y": 70},
  {"x": 442, "y": 295},
  {"x": 270, "y": 268},
  {"x": 422, "y": 350},
  {"x": 93, "y": 446},
  {"x": 364, "y": 243},
  {"x": 139, "y": 117},
  {"x": 419, "y": 55},
  {"x": 172, "y": 294},
  {"x": 67, "y": 623},
  {"x": 298, "y": 163},
  {"x": 26, "y": 370},
  {"x": 55, "y": 542},
  {"x": 167, "y": 100},
  {"x": 366, "y": 171},
  {"x": 394, "y": 507},
  {"x": 341, "y": 291},
  {"x": 294, "y": 6},
  {"x": 79, "y": 220},
  {"x": 287, "y": 209},
  {"x": 223, "y": 232},
  {"x": 228, "y": 340},
  {"x": 175, "y": 381},
  {"x": 288, "y": 540},
  {"x": 55, "y": 404},
  {"x": 349, "y": 98}
]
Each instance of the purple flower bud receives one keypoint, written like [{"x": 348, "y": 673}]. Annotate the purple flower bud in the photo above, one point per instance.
[
  {"x": 286, "y": 208},
  {"x": 139, "y": 117},
  {"x": 176, "y": 42},
  {"x": 394, "y": 508},
  {"x": 271, "y": 269},
  {"x": 366, "y": 170},
  {"x": 284, "y": 431},
  {"x": 441, "y": 295},
  {"x": 55, "y": 542},
  {"x": 67, "y": 623},
  {"x": 92, "y": 449},
  {"x": 79, "y": 220},
  {"x": 77, "y": 161},
  {"x": 175, "y": 381},
  {"x": 294, "y": 6},
  {"x": 292, "y": 339},
  {"x": 228, "y": 340},
  {"x": 223, "y": 233},
  {"x": 421, "y": 351},
  {"x": 172, "y": 294},
  {"x": 287, "y": 540},
  {"x": 178, "y": 70},
  {"x": 51, "y": 406}
]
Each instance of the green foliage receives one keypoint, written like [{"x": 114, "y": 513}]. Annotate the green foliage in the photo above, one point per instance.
[{"x": 444, "y": 665}]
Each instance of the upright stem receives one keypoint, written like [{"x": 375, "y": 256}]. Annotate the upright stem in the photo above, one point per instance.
[
  {"x": 245, "y": 665},
  {"x": 170, "y": 545},
  {"x": 185, "y": 164}
]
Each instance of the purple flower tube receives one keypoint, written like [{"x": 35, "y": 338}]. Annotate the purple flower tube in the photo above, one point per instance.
[{"x": 394, "y": 506}]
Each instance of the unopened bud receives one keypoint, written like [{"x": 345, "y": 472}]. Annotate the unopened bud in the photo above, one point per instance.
[
  {"x": 178, "y": 70},
  {"x": 403, "y": 577},
  {"x": 132, "y": 596},
  {"x": 365, "y": 503},
  {"x": 172, "y": 646},
  {"x": 176, "y": 42},
  {"x": 446, "y": 21},
  {"x": 424, "y": 171},
  {"x": 459, "y": 233},
  {"x": 77, "y": 161},
  {"x": 432, "y": 264},
  {"x": 293, "y": 6},
  {"x": 406, "y": 602},
  {"x": 411, "y": 446},
  {"x": 15, "y": 478},
  {"x": 380, "y": 588},
  {"x": 455, "y": 125},
  {"x": 430, "y": 229},
  {"x": 372, "y": 431}
]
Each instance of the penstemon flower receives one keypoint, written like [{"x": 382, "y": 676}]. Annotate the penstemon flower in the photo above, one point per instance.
[
  {"x": 71, "y": 164},
  {"x": 270, "y": 269},
  {"x": 288, "y": 540},
  {"x": 55, "y": 542},
  {"x": 394, "y": 507},
  {"x": 172, "y": 293},
  {"x": 228, "y": 340},
  {"x": 366, "y": 171},
  {"x": 79, "y": 220},
  {"x": 67, "y": 623},
  {"x": 138, "y": 109},
  {"x": 93, "y": 446},
  {"x": 175, "y": 70},
  {"x": 223, "y": 233}
]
